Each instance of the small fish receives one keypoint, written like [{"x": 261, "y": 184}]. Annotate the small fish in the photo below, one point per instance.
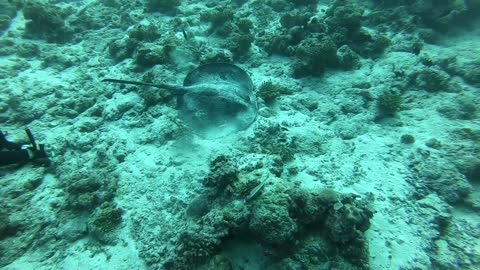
[
  {"x": 255, "y": 192},
  {"x": 185, "y": 36}
]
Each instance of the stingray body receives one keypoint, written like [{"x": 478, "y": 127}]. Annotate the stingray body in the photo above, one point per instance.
[{"x": 215, "y": 99}]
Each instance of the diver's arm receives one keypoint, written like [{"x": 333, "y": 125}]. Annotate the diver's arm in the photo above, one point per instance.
[
  {"x": 14, "y": 157},
  {"x": 5, "y": 144}
]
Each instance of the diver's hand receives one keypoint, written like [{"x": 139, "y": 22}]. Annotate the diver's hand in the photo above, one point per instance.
[{"x": 38, "y": 157}]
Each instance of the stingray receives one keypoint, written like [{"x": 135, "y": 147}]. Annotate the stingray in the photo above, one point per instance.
[{"x": 215, "y": 100}]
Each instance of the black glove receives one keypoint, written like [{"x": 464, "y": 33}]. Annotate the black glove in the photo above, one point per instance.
[
  {"x": 37, "y": 153},
  {"x": 38, "y": 156}
]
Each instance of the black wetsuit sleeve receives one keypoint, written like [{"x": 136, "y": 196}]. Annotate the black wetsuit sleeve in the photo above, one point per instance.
[
  {"x": 11, "y": 146},
  {"x": 13, "y": 157},
  {"x": 4, "y": 144}
]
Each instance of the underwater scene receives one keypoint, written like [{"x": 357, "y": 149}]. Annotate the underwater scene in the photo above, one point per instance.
[{"x": 239, "y": 134}]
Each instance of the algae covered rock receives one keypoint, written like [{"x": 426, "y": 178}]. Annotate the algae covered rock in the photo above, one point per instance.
[
  {"x": 6, "y": 228},
  {"x": 441, "y": 16},
  {"x": 470, "y": 71},
  {"x": 295, "y": 18},
  {"x": 314, "y": 56},
  {"x": 345, "y": 13},
  {"x": 120, "y": 49},
  {"x": 432, "y": 79},
  {"x": 87, "y": 191},
  {"x": 106, "y": 217},
  {"x": 272, "y": 139},
  {"x": 46, "y": 21},
  {"x": 199, "y": 206},
  {"x": 8, "y": 11},
  {"x": 461, "y": 109},
  {"x": 310, "y": 207},
  {"x": 27, "y": 49},
  {"x": 303, "y": 2},
  {"x": 432, "y": 176},
  {"x": 407, "y": 139},
  {"x": 195, "y": 247},
  {"x": 300, "y": 225},
  {"x": 368, "y": 43},
  {"x": 389, "y": 102},
  {"x": 347, "y": 58},
  {"x": 271, "y": 221},
  {"x": 7, "y": 46},
  {"x": 144, "y": 32},
  {"x": 217, "y": 16},
  {"x": 202, "y": 240},
  {"x": 163, "y": 6},
  {"x": 278, "y": 43},
  {"x": 269, "y": 91},
  {"x": 239, "y": 44},
  {"x": 103, "y": 222},
  {"x": 348, "y": 220},
  {"x": 346, "y": 223},
  {"x": 223, "y": 172},
  {"x": 215, "y": 55},
  {"x": 148, "y": 55}
]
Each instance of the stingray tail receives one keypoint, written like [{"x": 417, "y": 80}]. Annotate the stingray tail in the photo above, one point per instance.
[{"x": 178, "y": 90}]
